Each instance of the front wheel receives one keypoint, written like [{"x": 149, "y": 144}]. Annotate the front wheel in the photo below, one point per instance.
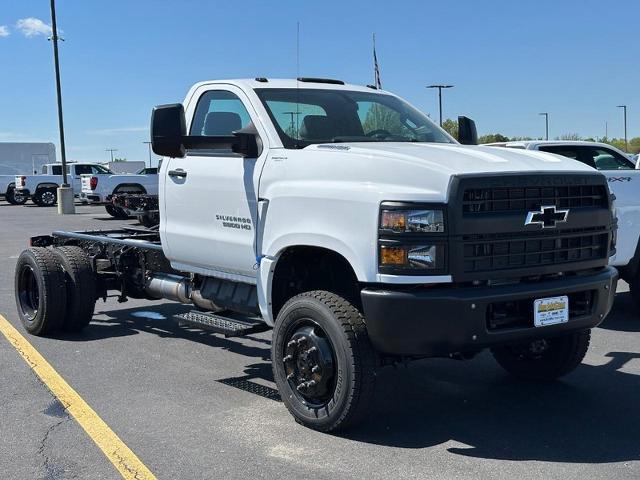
[
  {"x": 545, "y": 359},
  {"x": 323, "y": 362}
]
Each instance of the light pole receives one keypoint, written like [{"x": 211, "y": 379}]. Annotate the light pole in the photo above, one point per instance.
[
  {"x": 64, "y": 192},
  {"x": 111, "y": 150},
  {"x": 149, "y": 145},
  {"x": 440, "y": 87},
  {"x": 626, "y": 144},
  {"x": 546, "y": 124}
]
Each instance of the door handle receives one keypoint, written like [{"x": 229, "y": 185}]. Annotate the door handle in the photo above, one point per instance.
[{"x": 179, "y": 173}]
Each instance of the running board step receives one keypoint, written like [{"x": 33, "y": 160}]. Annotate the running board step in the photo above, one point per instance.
[{"x": 229, "y": 327}]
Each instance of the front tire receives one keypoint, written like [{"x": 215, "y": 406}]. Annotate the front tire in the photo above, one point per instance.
[
  {"x": 545, "y": 359},
  {"x": 323, "y": 362},
  {"x": 80, "y": 287},
  {"x": 40, "y": 291}
]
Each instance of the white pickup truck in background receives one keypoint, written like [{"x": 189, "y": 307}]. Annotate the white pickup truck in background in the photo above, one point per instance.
[
  {"x": 98, "y": 189},
  {"x": 42, "y": 188},
  {"x": 624, "y": 182}
]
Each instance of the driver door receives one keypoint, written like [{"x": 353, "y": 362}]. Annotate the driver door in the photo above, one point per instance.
[{"x": 211, "y": 196}]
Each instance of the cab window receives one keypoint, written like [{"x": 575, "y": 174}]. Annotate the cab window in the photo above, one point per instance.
[
  {"x": 606, "y": 159},
  {"x": 83, "y": 170},
  {"x": 219, "y": 113},
  {"x": 569, "y": 152}
]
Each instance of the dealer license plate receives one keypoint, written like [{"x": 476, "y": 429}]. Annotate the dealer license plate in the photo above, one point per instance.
[{"x": 550, "y": 311}]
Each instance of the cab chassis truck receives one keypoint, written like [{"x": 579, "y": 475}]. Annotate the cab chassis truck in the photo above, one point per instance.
[{"x": 360, "y": 239}]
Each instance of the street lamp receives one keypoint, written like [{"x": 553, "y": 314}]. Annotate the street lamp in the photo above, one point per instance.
[
  {"x": 64, "y": 192},
  {"x": 440, "y": 87},
  {"x": 149, "y": 145},
  {"x": 111, "y": 150},
  {"x": 546, "y": 123},
  {"x": 626, "y": 144}
]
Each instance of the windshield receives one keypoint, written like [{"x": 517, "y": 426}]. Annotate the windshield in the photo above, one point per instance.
[
  {"x": 101, "y": 169},
  {"x": 306, "y": 116}
]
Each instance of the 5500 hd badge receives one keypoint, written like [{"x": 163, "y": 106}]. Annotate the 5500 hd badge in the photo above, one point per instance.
[{"x": 240, "y": 223}]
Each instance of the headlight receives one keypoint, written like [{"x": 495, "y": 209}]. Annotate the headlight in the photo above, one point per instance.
[
  {"x": 418, "y": 257},
  {"x": 412, "y": 221}
]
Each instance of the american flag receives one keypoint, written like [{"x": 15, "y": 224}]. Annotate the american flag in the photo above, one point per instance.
[{"x": 376, "y": 69}]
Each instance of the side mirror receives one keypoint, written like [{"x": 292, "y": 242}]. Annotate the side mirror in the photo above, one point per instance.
[
  {"x": 248, "y": 142},
  {"x": 467, "y": 133},
  {"x": 168, "y": 128}
]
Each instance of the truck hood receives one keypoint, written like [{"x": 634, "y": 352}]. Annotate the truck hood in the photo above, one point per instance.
[{"x": 453, "y": 159}]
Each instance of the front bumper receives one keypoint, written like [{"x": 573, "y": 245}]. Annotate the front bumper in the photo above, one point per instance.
[{"x": 439, "y": 321}]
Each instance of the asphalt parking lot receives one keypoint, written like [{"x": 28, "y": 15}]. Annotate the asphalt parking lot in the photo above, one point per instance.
[{"x": 195, "y": 405}]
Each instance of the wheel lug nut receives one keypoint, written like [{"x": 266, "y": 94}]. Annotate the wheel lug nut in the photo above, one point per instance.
[
  {"x": 312, "y": 349},
  {"x": 315, "y": 369},
  {"x": 292, "y": 343},
  {"x": 301, "y": 387},
  {"x": 287, "y": 358},
  {"x": 311, "y": 383},
  {"x": 290, "y": 376},
  {"x": 302, "y": 340}
]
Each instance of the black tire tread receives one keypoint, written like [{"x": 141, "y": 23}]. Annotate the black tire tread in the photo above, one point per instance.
[
  {"x": 363, "y": 357},
  {"x": 81, "y": 287},
  {"x": 574, "y": 349},
  {"x": 53, "y": 289}
]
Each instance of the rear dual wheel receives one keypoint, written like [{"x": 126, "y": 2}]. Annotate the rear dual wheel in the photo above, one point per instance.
[{"x": 55, "y": 289}]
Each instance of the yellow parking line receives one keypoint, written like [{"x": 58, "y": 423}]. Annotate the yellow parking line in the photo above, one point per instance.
[{"x": 127, "y": 463}]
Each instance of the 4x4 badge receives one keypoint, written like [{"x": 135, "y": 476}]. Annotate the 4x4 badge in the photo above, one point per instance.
[{"x": 547, "y": 217}]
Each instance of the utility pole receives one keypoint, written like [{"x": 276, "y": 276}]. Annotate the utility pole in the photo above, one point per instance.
[
  {"x": 64, "y": 192},
  {"x": 149, "y": 145},
  {"x": 546, "y": 124},
  {"x": 111, "y": 150},
  {"x": 626, "y": 144},
  {"x": 440, "y": 87}
]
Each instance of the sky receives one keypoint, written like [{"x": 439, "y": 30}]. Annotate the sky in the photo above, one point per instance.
[{"x": 509, "y": 60}]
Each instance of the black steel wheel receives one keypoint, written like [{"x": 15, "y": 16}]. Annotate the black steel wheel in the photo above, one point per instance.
[
  {"x": 45, "y": 197},
  {"x": 323, "y": 362},
  {"x": 544, "y": 359},
  {"x": 40, "y": 291},
  {"x": 81, "y": 287}
]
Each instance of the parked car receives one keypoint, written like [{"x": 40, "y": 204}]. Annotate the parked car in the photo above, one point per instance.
[
  {"x": 624, "y": 181},
  {"x": 365, "y": 237},
  {"x": 42, "y": 188},
  {"x": 8, "y": 191}
]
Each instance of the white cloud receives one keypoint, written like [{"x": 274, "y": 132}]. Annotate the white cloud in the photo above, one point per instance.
[
  {"x": 116, "y": 131},
  {"x": 31, "y": 27},
  {"x": 4, "y": 31}
]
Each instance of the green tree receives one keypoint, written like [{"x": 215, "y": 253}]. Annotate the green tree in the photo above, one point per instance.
[
  {"x": 451, "y": 127},
  {"x": 380, "y": 117},
  {"x": 123, "y": 159},
  {"x": 569, "y": 136},
  {"x": 492, "y": 138}
]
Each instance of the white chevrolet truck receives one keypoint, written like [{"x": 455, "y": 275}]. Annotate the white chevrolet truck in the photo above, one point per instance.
[
  {"x": 42, "y": 188},
  {"x": 98, "y": 189},
  {"x": 624, "y": 182},
  {"x": 357, "y": 230}
]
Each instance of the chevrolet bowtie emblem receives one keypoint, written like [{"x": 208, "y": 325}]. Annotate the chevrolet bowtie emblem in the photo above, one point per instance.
[{"x": 547, "y": 217}]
